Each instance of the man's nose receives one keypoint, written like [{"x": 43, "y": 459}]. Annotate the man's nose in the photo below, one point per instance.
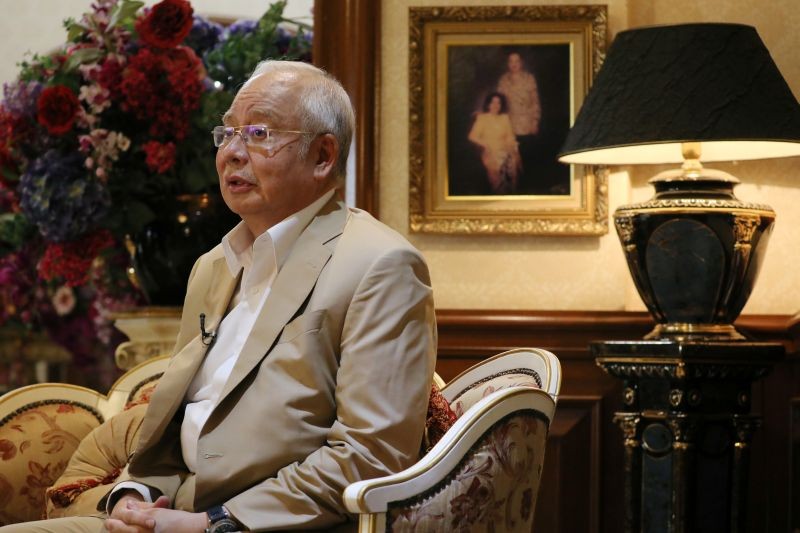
[{"x": 235, "y": 149}]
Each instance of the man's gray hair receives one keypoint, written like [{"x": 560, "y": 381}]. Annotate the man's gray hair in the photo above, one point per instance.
[{"x": 324, "y": 107}]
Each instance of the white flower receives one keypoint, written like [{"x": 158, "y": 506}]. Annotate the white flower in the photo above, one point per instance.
[
  {"x": 123, "y": 143},
  {"x": 63, "y": 300},
  {"x": 96, "y": 97}
]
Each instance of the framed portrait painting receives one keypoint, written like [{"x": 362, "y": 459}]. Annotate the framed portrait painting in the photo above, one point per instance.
[{"x": 493, "y": 93}]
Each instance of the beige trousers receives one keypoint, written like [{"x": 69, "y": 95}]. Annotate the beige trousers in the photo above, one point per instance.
[{"x": 77, "y": 524}]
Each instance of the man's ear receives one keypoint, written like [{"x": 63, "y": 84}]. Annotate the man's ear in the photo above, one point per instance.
[{"x": 327, "y": 153}]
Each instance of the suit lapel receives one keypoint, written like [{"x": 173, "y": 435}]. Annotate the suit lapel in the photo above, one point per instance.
[
  {"x": 173, "y": 385},
  {"x": 291, "y": 287}
]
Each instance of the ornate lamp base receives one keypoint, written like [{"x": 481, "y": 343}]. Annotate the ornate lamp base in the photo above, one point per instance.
[
  {"x": 694, "y": 251},
  {"x": 687, "y": 429}
]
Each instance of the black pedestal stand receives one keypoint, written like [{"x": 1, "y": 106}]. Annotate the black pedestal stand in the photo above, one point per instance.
[{"x": 687, "y": 429}]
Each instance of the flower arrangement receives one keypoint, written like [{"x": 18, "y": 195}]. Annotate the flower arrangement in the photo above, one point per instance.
[{"x": 98, "y": 137}]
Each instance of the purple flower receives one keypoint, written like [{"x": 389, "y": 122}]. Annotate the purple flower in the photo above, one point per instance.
[
  {"x": 20, "y": 97},
  {"x": 58, "y": 195},
  {"x": 240, "y": 27},
  {"x": 283, "y": 39},
  {"x": 204, "y": 35},
  {"x": 17, "y": 286}
]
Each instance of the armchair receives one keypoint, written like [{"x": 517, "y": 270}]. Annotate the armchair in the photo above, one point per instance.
[
  {"x": 42, "y": 425},
  {"x": 486, "y": 468}
]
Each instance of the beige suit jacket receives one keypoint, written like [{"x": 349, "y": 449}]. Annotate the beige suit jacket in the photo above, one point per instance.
[{"x": 331, "y": 387}]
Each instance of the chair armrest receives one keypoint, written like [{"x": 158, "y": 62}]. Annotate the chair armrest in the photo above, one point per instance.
[{"x": 374, "y": 495}]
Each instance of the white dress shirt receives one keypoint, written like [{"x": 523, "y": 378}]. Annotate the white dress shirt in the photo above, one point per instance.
[{"x": 260, "y": 258}]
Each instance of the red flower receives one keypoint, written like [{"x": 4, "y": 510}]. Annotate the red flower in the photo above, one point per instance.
[
  {"x": 167, "y": 24},
  {"x": 72, "y": 260},
  {"x": 160, "y": 156},
  {"x": 57, "y": 109},
  {"x": 110, "y": 75},
  {"x": 163, "y": 87}
]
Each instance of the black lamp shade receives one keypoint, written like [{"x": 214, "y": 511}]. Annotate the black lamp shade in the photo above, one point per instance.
[{"x": 665, "y": 85}]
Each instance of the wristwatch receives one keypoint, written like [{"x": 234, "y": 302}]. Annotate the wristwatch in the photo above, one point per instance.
[{"x": 220, "y": 521}]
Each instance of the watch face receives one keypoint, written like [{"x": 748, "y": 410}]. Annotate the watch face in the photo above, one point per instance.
[{"x": 225, "y": 525}]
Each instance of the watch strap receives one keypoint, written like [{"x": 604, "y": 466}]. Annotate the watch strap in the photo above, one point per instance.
[{"x": 217, "y": 513}]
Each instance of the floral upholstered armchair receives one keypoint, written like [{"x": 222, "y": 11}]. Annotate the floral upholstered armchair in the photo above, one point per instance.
[
  {"x": 484, "y": 472},
  {"x": 56, "y": 452},
  {"x": 61, "y": 445}
]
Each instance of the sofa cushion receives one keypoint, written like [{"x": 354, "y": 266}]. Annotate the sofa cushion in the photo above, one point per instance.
[
  {"x": 96, "y": 463},
  {"x": 440, "y": 418}
]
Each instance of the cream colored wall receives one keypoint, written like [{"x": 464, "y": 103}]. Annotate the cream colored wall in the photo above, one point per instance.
[{"x": 585, "y": 273}]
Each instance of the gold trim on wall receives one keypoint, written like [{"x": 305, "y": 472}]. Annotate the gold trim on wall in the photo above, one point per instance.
[{"x": 580, "y": 205}]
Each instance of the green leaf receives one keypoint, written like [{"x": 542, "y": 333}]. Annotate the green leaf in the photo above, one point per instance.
[
  {"x": 198, "y": 177},
  {"x": 275, "y": 12},
  {"x": 124, "y": 12},
  {"x": 75, "y": 30},
  {"x": 15, "y": 229},
  {"x": 132, "y": 217},
  {"x": 9, "y": 175},
  {"x": 82, "y": 56}
]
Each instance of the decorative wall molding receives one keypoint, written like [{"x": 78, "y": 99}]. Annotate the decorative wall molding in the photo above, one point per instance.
[{"x": 568, "y": 333}]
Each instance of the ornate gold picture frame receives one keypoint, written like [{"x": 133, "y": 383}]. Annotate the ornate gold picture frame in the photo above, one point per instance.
[{"x": 493, "y": 92}]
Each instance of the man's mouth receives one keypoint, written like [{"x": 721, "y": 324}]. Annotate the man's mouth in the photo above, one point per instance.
[{"x": 239, "y": 184}]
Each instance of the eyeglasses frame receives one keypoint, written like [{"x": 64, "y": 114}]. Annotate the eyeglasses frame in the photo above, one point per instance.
[{"x": 238, "y": 130}]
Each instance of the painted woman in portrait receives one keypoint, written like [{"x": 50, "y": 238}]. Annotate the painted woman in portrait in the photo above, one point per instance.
[{"x": 493, "y": 134}]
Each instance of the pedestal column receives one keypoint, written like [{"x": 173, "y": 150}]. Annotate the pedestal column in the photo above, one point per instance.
[{"x": 687, "y": 429}]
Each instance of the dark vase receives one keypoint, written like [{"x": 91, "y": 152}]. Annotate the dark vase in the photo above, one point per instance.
[{"x": 165, "y": 250}]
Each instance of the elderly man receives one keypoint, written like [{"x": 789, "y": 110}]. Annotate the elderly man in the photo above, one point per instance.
[{"x": 307, "y": 342}]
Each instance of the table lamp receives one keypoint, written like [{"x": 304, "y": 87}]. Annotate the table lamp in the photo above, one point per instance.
[{"x": 689, "y": 94}]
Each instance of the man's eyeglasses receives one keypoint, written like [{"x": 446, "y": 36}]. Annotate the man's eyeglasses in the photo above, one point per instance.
[{"x": 253, "y": 135}]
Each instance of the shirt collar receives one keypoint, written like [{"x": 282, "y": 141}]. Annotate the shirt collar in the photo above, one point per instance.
[{"x": 238, "y": 243}]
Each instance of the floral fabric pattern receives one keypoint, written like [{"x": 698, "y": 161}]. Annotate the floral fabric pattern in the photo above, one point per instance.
[
  {"x": 142, "y": 394},
  {"x": 493, "y": 490},
  {"x": 35, "y": 446}
]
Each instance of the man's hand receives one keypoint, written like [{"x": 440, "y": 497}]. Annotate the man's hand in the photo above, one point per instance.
[
  {"x": 132, "y": 515},
  {"x": 128, "y": 516}
]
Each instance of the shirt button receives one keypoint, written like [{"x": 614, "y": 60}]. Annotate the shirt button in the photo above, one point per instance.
[{"x": 253, "y": 291}]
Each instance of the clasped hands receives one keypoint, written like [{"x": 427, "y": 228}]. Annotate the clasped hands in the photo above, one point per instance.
[{"x": 132, "y": 514}]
